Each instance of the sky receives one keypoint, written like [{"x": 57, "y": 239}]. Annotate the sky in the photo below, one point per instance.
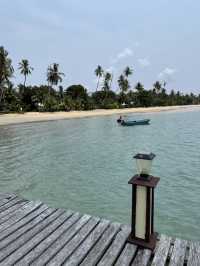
[{"x": 158, "y": 39}]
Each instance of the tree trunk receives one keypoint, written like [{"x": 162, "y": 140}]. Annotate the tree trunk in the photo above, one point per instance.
[
  {"x": 1, "y": 92},
  {"x": 97, "y": 84},
  {"x": 111, "y": 80},
  {"x": 49, "y": 88},
  {"x": 24, "y": 81}
]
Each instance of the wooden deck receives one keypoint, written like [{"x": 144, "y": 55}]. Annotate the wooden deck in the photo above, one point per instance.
[{"x": 31, "y": 233}]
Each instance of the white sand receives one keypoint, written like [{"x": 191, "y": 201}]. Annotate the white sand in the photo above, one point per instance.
[{"x": 7, "y": 119}]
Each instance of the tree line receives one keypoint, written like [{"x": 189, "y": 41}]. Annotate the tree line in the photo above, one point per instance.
[{"x": 53, "y": 97}]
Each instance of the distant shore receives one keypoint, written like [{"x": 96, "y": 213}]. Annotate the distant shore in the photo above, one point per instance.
[{"x": 6, "y": 119}]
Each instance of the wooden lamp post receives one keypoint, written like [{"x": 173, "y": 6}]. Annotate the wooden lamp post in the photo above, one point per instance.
[{"x": 143, "y": 185}]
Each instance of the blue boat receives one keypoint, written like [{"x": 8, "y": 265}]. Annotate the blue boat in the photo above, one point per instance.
[{"x": 135, "y": 122}]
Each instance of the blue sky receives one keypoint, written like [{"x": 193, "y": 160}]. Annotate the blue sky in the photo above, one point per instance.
[{"x": 159, "y": 39}]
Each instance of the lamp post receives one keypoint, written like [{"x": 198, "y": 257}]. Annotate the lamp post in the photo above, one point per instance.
[{"x": 143, "y": 185}]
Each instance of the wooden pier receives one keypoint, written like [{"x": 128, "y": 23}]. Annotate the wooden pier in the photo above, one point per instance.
[{"x": 31, "y": 233}]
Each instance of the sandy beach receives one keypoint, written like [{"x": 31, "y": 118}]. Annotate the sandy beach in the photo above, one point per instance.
[{"x": 6, "y": 119}]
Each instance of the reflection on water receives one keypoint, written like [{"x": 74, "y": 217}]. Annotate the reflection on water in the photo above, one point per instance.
[{"x": 85, "y": 164}]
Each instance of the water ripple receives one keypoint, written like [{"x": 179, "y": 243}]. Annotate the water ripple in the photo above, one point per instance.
[{"x": 85, "y": 164}]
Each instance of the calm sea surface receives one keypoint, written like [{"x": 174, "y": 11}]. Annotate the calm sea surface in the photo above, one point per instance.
[{"x": 85, "y": 165}]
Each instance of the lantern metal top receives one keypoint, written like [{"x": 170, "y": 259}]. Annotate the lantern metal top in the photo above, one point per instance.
[{"x": 144, "y": 156}]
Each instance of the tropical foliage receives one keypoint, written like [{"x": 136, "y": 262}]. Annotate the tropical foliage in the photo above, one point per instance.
[
  {"x": 99, "y": 73},
  {"x": 25, "y": 69},
  {"x": 52, "y": 96},
  {"x": 6, "y": 72}
]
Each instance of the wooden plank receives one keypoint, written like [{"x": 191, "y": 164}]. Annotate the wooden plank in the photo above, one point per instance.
[
  {"x": 7, "y": 196},
  {"x": 116, "y": 247},
  {"x": 11, "y": 201},
  {"x": 23, "y": 212},
  {"x": 17, "y": 233},
  {"x": 3, "y": 195},
  {"x": 5, "y": 200},
  {"x": 71, "y": 246},
  {"x": 96, "y": 252},
  {"x": 161, "y": 252},
  {"x": 87, "y": 244},
  {"x": 194, "y": 254},
  {"x": 127, "y": 255},
  {"x": 39, "y": 249},
  {"x": 10, "y": 204},
  {"x": 178, "y": 253},
  {"x": 18, "y": 225},
  {"x": 16, "y": 250},
  {"x": 142, "y": 258},
  {"x": 6, "y": 214},
  {"x": 60, "y": 242}
]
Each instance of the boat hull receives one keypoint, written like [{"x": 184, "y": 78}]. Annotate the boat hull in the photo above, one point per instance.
[{"x": 135, "y": 123}]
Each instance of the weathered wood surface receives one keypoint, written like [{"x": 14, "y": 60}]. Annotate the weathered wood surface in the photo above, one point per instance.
[
  {"x": 127, "y": 255},
  {"x": 178, "y": 253},
  {"x": 99, "y": 249},
  {"x": 161, "y": 252},
  {"x": 31, "y": 233},
  {"x": 115, "y": 248},
  {"x": 194, "y": 254},
  {"x": 142, "y": 258}
]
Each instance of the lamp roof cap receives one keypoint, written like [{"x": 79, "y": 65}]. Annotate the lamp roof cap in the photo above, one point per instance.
[{"x": 145, "y": 156}]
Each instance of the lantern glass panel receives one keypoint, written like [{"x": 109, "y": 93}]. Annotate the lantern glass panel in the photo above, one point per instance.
[{"x": 144, "y": 166}]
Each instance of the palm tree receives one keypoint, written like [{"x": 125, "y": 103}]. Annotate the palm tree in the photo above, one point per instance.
[
  {"x": 164, "y": 83},
  {"x": 157, "y": 86},
  {"x": 53, "y": 74},
  {"x": 123, "y": 84},
  {"x": 99, "y": 73},
  {"x": 128, "y": 71},
  {"x": 25, "y": 69},
  {"x": 139, "y": 87},
  {"x": 111, "y": 80},
  {"x": 107, "y": 80},
  {"x": 140, "y": 95},
  {"x": 6, "y": 71}
]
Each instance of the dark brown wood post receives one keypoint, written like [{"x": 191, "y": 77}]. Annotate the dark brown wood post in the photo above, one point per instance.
[
  {"x": 133, "y": 210},
  {"x": 142, "y": 227}
]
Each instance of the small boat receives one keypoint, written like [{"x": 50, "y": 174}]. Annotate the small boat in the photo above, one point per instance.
[{"x": 135, "y": 123}]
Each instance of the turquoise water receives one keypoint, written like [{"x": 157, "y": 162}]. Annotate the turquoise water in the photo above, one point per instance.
[{"x": 85, "y": 165}]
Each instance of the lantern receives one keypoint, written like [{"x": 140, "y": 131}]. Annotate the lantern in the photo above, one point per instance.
[
  {"x": 144, "y": 163},
  {"x": 143, "y": 185}
]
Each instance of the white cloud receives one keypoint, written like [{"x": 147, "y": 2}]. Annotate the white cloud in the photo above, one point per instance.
[
  {"x": 127, "y": 52},
  {"x": 167, "y": 74},
  {"x": 144, "y": 62}
]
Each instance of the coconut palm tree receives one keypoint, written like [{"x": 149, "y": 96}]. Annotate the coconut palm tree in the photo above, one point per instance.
[
  {"x": 6, "y": 71},
  {"x": 157, "y": 86},
  {"x": 123, "y": 84},
  {"x": 25, "y": 69},
  {"x": 128, "y": 71},
  {"x": 107, "y": 80},
  {"x": 54, "y": 76},
  {"x": 99, "y": 73},
  {"x": 111, "y": 80}
]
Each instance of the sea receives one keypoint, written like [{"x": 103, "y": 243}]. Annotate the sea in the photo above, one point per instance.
[{"x": 85, "y": 165}]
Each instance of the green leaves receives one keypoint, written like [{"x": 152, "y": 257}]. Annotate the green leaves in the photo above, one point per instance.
[{"x": 54, "y": 76}]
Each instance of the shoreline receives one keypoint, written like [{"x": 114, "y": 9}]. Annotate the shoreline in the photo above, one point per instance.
[{"x": 16, "y": 118}]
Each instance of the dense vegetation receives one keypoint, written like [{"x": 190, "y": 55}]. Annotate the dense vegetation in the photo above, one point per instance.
[{"x": 53, "y": 97}]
